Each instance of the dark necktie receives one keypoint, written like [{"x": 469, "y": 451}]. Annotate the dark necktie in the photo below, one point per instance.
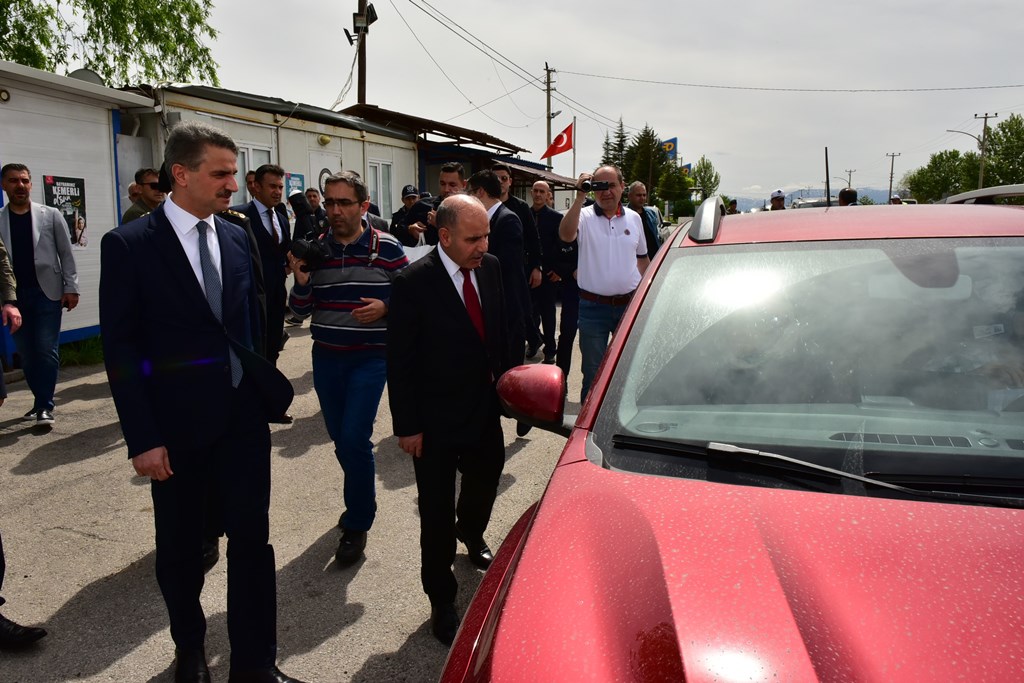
[
  {"x": 215, "y": 294},
  {"x": 476, "y": 314},
  {"x": 273, "y": 230}
]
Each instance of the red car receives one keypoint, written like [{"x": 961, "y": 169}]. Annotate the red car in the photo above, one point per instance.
[{"x": 801, "y": 460}]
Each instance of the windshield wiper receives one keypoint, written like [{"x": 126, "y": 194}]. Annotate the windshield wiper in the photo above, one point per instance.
[{"x": 714, "y": 447}]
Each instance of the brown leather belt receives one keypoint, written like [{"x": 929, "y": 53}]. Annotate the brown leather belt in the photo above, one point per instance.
[{"x": 617, "y": 300}]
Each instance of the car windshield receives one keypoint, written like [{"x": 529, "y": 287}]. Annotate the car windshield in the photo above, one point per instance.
[{"x": 911, "y": 346}]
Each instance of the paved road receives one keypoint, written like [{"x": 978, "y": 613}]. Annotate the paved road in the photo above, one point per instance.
[{"x": 78, "y": 531}]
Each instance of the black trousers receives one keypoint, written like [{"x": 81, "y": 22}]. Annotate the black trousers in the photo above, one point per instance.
[
  {"x": 238, "y": 464},
  {"x": 277, "y": 302},
  {"x": 544, "y": 313},
  {"x": 436, "y": 469},
  {"x": 3, "y": 567},
  {"x": 568, "y": 323}
]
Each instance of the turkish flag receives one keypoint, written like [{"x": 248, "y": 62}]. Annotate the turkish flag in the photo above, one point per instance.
[{"x": 561, "y": 143}]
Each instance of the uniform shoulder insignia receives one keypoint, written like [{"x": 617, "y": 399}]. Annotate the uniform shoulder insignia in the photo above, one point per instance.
[{"x": 232, "y": 212}]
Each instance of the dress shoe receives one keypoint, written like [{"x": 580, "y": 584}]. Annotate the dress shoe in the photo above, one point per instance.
[
  {"x": 350, "y": 547},
  {"x": 191, "y": 666},
  {"x": 549, "y": 360},
  {"x": 479, "y": 553},
  {"x": 271, "y": 675},
  {"x": 211, "y": 553},
  {"x": 522, "y": 429},
  {"x": 14, "y": 636},
  {"x": 30, "y": 416},
  {"x": 285, "y": 419},
  {"x": 531, "y": 350},
  {"x": 444, "y": 623}
]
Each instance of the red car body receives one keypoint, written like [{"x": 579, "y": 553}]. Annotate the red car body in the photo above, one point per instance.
[{"x": 621, "y": 576}]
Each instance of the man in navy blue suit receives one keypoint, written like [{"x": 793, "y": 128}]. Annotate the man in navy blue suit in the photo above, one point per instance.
[{"x": 179, "y": 314}]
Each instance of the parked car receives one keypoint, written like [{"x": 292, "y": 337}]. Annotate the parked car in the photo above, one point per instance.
[{"x": 801, "y": 460}]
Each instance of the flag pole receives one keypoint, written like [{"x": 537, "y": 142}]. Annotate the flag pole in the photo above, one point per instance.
[{"x": 574, "y": 132}]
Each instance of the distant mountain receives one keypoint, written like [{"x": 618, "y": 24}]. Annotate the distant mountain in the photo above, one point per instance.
[{"x": 747, "y": 203}]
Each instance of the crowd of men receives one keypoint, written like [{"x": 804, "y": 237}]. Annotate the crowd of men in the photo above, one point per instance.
[{"x": 479, "y": 303}]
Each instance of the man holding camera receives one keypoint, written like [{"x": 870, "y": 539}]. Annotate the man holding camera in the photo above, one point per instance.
[
  {"x": 420, "y": 219},
  {"x": 347, "y": 292},
  {"x": 612, "y": 258}
]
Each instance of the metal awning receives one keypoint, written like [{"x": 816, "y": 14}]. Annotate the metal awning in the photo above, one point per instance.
[
  {"x": 540, "y": 173},
  {"x": 423, "y": 127}
]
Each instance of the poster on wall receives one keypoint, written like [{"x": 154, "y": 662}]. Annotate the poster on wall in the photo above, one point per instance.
[
  {"x": 293, "y": 182},
  {"x": 67, "y": 195}
]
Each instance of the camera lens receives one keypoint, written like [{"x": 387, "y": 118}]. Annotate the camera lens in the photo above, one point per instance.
[{"x": 585, "y": 186}]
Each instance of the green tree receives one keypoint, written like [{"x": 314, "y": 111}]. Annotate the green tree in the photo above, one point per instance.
[
  {"x": 607, "y": 157},
  {"x": 645, "y": 160},
  {"x": 121, "y": 40},
  {"x": 675, "y": 187},
  {"x": 1004, "y": 162},
  {"x": 948, "y": 172},
  {"x": 615, "y": 147},
  {"x": 706, "y": 178}
]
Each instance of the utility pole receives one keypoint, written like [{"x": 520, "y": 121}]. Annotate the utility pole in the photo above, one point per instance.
[
  {"x": 362, "y": 53},
  {"x": 984, "y": 137},
  {"x": 849, "y": 176},
  {"x": 548, "y": 89},
  {"x": 892, "y": 170}
]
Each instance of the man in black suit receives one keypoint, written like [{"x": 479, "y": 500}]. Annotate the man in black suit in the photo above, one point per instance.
[
  {"x": 420, "y": 220},
  {"x": 446, "y": 348},
  {"x": 544, "y": 295},
  {"x": 179, "y": 314}
]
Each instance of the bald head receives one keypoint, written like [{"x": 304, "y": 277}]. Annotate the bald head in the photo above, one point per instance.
[
  {"x": 541, "y": 193},
  {"x": 463, "y": 228}
]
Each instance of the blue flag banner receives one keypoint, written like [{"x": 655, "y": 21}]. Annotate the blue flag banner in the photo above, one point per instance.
[
  {"x": 670, "y": 147},
  {"x": 687, "y": 168}
]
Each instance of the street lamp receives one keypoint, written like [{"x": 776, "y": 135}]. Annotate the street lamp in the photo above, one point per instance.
[
  {"x": 845, "y": 180},
  {"x": 981, "y": 146}
]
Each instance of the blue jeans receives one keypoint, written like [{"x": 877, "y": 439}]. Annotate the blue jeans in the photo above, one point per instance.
[
  {"x": 596, "y": 324},
  {"x": 349, "y": 385},
  {"x": 38, "y": 342}
]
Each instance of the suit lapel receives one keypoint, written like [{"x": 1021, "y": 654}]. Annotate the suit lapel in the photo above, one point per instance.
[
  {"x": 170, "y": 249},
  {"x": 450, "y": 299},
  {"x": 37, "y": 224}
]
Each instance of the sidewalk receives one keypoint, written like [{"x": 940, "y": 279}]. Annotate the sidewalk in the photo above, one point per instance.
[{"x": 78, "y": 534}]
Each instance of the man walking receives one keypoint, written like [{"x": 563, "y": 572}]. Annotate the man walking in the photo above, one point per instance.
[
  {"x": 39, "y": 247},
  {"x": 612, "y": 257},
  {"x": 179, "y": 313},
  {"x": 446, "y": 349},
  {"x": 348, "y": 299}
]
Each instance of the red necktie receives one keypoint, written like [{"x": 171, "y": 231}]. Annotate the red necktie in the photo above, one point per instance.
[{"x": 476, "y": 314}]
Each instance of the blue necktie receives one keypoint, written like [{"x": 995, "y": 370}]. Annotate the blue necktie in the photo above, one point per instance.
[{"x": 215, "y": 294}]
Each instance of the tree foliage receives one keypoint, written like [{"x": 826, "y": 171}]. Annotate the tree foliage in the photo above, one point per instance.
[
  {"x": 121, "y": 40},
  {"x": 645, "y": 160},
  {"x": 706, "y": 178},
  {"x": 948, "y": 172},
  {"x": 1004, "y": 162},
  {"x": 675, "y": 186},
  {"x": 614, "y": 151}
]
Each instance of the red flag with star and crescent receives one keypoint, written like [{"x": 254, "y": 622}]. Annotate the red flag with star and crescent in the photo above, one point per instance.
[{"x": 561, "y": 143}]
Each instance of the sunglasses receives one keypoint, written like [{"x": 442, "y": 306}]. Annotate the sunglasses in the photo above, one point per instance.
[{"x": 152, "y": 186}]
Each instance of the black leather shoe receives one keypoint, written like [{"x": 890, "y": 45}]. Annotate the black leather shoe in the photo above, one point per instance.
[
  {"x": 350, "y": 547},
  {"x": 444, "y": 623},
  {"x": 271, "y": 675},
  {"x": 531, "y": 350},
  {"x": 211, "y": 553},
  {"x": 522, "y": 429},
  {"x": 191, "y": 666},
  {"x": 14, "y": 636},
  {"x": 479, "y": 553},
  {"x": 285, "y": 419}
]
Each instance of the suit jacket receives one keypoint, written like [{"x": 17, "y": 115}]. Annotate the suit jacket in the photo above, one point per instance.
[
  {"x": 8, "y": 285},
  {"x": 418, "y": 214},
  {"x": 55, "y": 264},
  {"x": 506, "y": 243},
  {"x": 165, "y": 352},
  {"x": 441, "y": 375},
  {"x": 273, "y": 256},
  {"x": 531, "y": 239}
]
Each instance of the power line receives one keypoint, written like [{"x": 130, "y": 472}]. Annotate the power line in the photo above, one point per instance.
[
  {"x": 710, "y": 86},
  {"x": 507, "y": 93}
]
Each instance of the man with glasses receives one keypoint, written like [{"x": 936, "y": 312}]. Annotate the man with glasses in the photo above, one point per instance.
[
  {"x": 150, "y": 194},
  {"x": 348, "y": 297}
]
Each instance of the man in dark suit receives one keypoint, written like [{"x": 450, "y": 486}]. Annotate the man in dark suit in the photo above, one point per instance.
[
  {"x": 446, "y": 348},
  {"x": 270, "y": 224},
  {"x": 420, "y": 220},
  {"x": 179, "y": 314},
  {"x": 544, "y": 295}
]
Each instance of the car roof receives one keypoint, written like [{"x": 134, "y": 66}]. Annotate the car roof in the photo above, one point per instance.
[
  {"x": 860, "y": 222},
  {"x": 987, "y": 193}
]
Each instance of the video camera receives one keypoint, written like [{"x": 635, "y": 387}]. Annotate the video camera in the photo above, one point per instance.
[
  {"x": 311, "y": 250},
  {"x": 595, "y": 185}
]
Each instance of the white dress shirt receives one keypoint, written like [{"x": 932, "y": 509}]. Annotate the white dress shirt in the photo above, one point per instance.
[
  {"x": 184, "y": 224},
  {"x": 455, "y": 273},
  {"x": 269, "y": 220}
]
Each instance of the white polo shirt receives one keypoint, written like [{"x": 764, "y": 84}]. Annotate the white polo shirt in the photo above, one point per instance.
[{"x": 609, "y": 248}]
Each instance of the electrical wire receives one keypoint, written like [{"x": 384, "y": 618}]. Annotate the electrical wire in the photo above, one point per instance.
[
  {"x": 709, "y": 86},
  {"x": 351, "y": 74}
]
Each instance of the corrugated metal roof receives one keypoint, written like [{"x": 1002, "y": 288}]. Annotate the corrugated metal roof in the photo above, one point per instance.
[{"x": 420, "y": 126}]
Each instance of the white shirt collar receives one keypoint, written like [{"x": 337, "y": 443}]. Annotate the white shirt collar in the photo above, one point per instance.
[
  {"x": 183, "y": 221},
  {"x": 491, "y": 211}
]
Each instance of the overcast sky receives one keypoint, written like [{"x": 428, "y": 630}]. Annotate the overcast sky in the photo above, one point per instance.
[{"x": 757, "y": 140}]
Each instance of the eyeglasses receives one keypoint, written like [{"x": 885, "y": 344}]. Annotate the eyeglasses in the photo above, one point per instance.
[
  {"x": 153, "y": 185},
  {"x": 341, "y": 203}
]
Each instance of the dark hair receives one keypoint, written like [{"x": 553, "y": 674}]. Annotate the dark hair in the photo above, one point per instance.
[
  {"x": 311, "y": 189},
  {"x": 250, "y": 173},
  {"x": 268, "y": 169},
  {"x": 186, "y": 145},
  {"x": 499, "y": 166},
  {"x": 14, "y": 168},
  {"x": 848, "y": 194},
  {"x": 454, "y": 167},
  {"x": 486, "y": 181},
  {"x": 352, "y": 180},
  {"x": 143, "y": 172}
]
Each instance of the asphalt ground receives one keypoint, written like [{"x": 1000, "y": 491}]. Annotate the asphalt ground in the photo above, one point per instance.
[{"x": 78, "y": 534}]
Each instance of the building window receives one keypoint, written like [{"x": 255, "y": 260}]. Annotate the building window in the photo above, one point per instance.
[
  {"x": 249, "y": 159},
  {"x": 379, "y": 184}
]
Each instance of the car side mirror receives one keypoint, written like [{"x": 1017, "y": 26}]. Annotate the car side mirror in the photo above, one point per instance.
[{"x": 535, "y": 394}]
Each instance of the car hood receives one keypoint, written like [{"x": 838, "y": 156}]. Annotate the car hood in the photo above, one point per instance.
[{"x": 626, "y": 577}]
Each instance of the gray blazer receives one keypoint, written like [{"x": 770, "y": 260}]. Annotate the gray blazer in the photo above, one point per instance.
[{"x": 55, "y": 264}]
